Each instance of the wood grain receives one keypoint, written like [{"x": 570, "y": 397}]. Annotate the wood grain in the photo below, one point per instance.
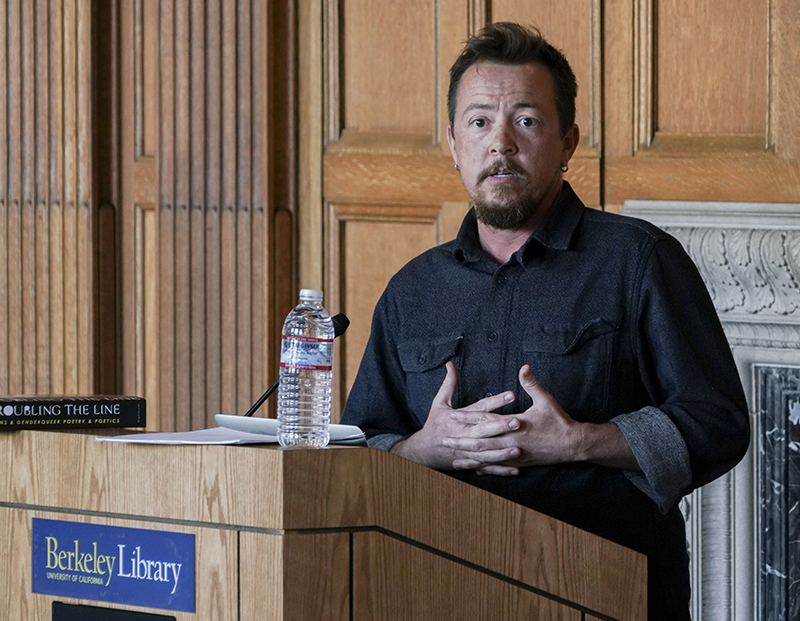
[
  {"x": 388, "y": 76},
  {"x": 358, "y": 233},
  {"x": 199, "y": 144},
  {"x": 426, "y": 586},
  {"x": 316, "y": 583},
  {"x": 703, "y": 179},
  {"x": 48, "y": 222},
  {"x": 717, "y": 83},
  {"x": 352, "y": 490}
]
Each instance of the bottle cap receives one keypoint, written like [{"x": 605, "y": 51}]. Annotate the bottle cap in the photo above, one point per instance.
[{"x": 313, "y": 295}]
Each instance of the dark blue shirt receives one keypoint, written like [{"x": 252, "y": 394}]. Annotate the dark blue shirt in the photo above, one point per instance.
[{"x": 617, "y": 325}]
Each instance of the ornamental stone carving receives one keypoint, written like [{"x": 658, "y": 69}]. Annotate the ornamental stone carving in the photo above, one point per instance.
[{"x": 749, "y": 257}]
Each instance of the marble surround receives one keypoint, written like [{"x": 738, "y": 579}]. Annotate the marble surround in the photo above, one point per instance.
[{"x": 742, "y": 529}]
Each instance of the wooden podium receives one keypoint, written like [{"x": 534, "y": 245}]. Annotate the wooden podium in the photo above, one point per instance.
[{"x": 341, "y": 533}]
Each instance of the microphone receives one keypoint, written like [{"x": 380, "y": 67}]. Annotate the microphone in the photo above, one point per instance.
[{"x": 340, "y": 325}]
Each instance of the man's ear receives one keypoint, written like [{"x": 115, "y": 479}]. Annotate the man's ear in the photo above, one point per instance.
[
  {"x": 452, "y": 142},
  {"x": 570, "y": 143}
]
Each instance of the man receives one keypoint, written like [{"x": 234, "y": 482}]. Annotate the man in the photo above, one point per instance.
[{"x": 629, "y": 394}]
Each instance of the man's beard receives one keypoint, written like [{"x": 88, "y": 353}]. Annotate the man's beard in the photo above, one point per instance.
[
  {"x": 511, "y": 215},
  {"x": 512, "y": 207}
]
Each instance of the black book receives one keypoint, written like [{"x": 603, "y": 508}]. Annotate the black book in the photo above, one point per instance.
[{"x": 70, "y": 412}]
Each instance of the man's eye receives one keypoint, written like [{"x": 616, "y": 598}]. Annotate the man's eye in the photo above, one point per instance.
[
  {"x": 479, "y": 123},
  {"x": 527, "y": 121}
]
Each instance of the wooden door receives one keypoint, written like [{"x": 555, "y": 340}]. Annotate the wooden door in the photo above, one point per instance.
[{"x": 691, "y": 100}]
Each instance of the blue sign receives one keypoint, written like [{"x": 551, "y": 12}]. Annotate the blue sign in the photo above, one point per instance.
[{"x": 131, "y": 566}]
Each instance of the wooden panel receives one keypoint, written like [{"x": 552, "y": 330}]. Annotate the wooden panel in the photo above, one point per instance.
[
  {"x": 702, "y": 124},
  {"x": 215, "y": 553},
  {"x": 213, "y": 496},
  {"x": 750, "y": 179},
  {"x": 14, "y": 580},
  {"x": 370, "y": 244},
  {"x": 261, "y": 592},
  {"x": 711, "y": 65},
  {"x": 785, "y": 81},
  {"x": 388, "y": 66},
  {"x": 315, "y": 583},
  {"x": 537, "y": 543},
  {"x": 391, "y": 178},
  {"x": 366, "y": 245},
  {"x": 47, "y": 219},
  {"x": 199, "y": 288},
  {"x": 396, "y": 581}
]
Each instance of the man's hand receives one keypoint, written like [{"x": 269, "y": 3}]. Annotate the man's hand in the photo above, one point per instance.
[
  {"x": 426, "y": 446},
  {"x": 542, "y": 435}
]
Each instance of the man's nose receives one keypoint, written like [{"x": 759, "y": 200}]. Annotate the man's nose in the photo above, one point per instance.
[{"x": 503, "y": 140}]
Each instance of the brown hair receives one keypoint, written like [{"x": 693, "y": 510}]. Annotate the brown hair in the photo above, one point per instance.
[{"x": 507, "y": 43}]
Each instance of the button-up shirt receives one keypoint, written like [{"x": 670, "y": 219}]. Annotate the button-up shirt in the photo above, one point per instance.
[{"x": 615, "y": 322}]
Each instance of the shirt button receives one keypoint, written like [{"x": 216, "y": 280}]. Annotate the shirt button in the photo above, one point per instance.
[
  {"x": 503, "y": 280},
  {"x": 492, "y": 336},
  {"x": 423, "y": 359},
  {"x": 489, "y": 393}
]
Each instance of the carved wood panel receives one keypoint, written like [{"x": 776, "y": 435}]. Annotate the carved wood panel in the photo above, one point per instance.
[
  {"x": 713, "y": 92},
  {"x": 48, "y": 219},
  {"x": 207, "y": 204}
]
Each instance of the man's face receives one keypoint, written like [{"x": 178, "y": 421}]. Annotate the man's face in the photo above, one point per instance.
[{"x": 506, "y": 141}]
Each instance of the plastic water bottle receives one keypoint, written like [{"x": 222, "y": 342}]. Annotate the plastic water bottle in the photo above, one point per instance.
[{"x": 304, "y": 392}]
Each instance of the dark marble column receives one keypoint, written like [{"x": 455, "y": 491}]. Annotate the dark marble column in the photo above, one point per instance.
[{"x": 778, "y": 392}]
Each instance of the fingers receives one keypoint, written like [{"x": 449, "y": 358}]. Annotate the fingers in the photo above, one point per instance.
[
  {"x": 448, "y": 388},
  {"x": 489, "y": 404},
  {"x": 485, "y": 425},
  {"x": 486, "y": 459},
  {"x": 530, "y": 384},
  {"x": 481, "y": 412},
  {"x": 501, "y": 471}
]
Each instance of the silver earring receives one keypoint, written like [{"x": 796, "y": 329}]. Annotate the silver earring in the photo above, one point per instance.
[
  {"x": 456, "y": 166},
  {"x": 564, "y": 168}
]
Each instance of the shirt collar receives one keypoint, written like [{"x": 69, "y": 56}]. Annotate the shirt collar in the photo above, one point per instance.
[{"x": 555, "y": 232}]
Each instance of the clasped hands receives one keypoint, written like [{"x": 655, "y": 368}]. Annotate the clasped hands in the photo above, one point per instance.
[{"x": 476, "y": 438}]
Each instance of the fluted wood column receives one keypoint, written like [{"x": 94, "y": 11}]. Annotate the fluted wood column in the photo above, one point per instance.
[
  {"x": 48, "y": 219},
  {"x": 207, "y": 208}
]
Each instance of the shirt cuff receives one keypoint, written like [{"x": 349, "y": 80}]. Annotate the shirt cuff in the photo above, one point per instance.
[
  {"x": 662, "y": 455},
  {"x": 384, "y": 441}
]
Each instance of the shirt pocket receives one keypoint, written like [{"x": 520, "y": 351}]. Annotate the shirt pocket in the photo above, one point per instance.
[
  {"x": 573, "y": 363},
  {"x": 423, "y": 361}
]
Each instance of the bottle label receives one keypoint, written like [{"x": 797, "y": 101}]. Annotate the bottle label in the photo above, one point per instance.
[{"x": 300, "y": 352}]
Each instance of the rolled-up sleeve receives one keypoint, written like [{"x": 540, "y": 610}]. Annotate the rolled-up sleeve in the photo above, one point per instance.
[{"x": 698, "y": 427}]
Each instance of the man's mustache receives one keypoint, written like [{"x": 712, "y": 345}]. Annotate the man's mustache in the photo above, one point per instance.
[{"x": 500, "y": 166}]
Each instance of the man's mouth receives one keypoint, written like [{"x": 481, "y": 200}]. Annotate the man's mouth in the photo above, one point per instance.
[{"x": 500, "y": 170}]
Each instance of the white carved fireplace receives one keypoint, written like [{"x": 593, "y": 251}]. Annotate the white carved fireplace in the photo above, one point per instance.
[{"x": 743, "y": 530}]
